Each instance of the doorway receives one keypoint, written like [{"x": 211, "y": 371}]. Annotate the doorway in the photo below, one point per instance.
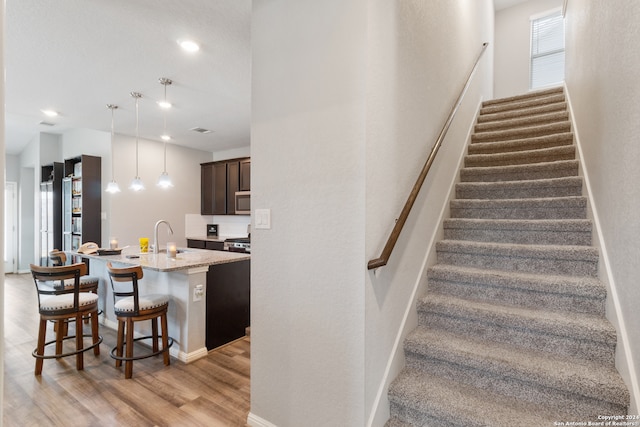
[{"x": 10, "y": 227}]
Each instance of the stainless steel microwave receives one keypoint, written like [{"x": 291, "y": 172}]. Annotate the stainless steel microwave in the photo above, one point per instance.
[{"x": 243, "y": 202}]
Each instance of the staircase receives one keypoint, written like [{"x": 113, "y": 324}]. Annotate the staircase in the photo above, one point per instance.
[{"x": 512, "y": 330}]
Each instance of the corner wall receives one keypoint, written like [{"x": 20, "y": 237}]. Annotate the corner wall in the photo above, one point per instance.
[{"x": 602, "y": 60}]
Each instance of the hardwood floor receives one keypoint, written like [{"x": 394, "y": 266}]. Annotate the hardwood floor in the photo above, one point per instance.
[{"x": 212, "y": 391}]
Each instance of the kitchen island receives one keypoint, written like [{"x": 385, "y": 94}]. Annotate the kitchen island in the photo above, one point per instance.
[{"x": 187, "y": 279}]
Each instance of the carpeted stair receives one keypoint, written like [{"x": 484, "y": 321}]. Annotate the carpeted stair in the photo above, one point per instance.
[{"x": 512, "y": 330}]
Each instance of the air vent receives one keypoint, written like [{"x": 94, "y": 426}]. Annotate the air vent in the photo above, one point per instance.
[
  {"x": 201, "y": 130},
  {"x": 43, "y": 123}
]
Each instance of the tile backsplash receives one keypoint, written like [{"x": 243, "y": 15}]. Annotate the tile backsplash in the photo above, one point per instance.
[{"x": 228, "y": 225}]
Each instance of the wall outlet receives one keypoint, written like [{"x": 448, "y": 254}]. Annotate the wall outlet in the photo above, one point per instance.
[{"x": 198, "y": 292}]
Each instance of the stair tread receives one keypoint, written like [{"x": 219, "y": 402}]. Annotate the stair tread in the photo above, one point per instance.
[
  {"x": 521, "y": 144},
  {"x": 575, "y": 285},
  {"x": 557, "y": 372},
  {"x": 538, "y": 109},
  {"x": 543, "y": 201},
  {"x": 523, "y": 121},
  {"x": 544, "y": 93},
  {"x": 576, "y": 325},
  {"x": 460, "y": 404},
  {"x": 519, "y": 133},
  {"x": 566, "y": 252},
  {"x": 526, "y": 183},
  {"x": 520, "y": 224},
  {"x": 558, "y": 164},
  {"x": 519, "y": 104},
  {"x": 525, "y": 153}
]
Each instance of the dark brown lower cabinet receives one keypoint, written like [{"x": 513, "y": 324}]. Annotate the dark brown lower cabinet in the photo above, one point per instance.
[{"x": 228, "y": 297}]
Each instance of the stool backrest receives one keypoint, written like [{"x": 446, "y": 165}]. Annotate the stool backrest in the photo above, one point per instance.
[
  {"x": 123, "y": 276},
  {"x": 57, "y": 257},
  {"x": 41, "y": 275}
]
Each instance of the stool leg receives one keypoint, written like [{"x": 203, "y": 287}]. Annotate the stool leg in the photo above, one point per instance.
[
  {"x": 154, "y": 333},
  {"x": 119, "y": 342},
  {"x": 79, "y": 343},
  {"x": 128, "y": 364},
  {"x": 61, "y": 332},
  {"x": 94, "y": 332},
  {"x": 42, "y": 333},
  {"x": 165, "y": 338}
]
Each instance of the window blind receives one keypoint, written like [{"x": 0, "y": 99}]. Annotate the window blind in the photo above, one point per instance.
[{"x": 547, "y": 50}]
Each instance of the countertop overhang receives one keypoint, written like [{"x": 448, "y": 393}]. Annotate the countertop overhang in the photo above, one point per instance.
[{"x": 184, "y": 260}]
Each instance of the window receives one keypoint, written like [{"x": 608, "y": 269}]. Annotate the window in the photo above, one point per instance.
[{"x": 547, "y": 50}]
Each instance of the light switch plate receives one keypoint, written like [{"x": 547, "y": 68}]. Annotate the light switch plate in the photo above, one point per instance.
[{"x": 263, "y": 219}]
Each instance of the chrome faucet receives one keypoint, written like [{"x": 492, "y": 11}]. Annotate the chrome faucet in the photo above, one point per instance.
[{"x": 155, "y": 234}]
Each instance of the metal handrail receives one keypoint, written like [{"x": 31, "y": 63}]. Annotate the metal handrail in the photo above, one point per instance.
[{"x": 395, "y": 233}]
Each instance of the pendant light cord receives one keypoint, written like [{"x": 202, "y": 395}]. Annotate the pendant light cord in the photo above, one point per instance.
[{"x": 137, "y": 133}]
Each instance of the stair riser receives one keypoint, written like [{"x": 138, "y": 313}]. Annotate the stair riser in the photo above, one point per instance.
[
  {"x": 521, "y": 158},
  {"x": 486, "y": 259},
  {"x": 520, "y": 335},
  {"x": 528, "y": 144},
  {"x": 503, "y": 192},
  {"x": 521, "y": 133},
  {"x": 519, "y": 105},
  {"x": 520, "y": 122},
  {"x": 520, "y": 211},
  {"x": 572, "y": 405},
  {"x": 486, "y": 118},
  {"x": 511, "y": 173},
  {"x": 525, "y": 298},
  {"x": 416, "y": 418},
  {"x": 538, "y": 237}
]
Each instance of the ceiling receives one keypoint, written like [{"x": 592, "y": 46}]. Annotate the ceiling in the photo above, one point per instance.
[{"x": 76, "y": 56}]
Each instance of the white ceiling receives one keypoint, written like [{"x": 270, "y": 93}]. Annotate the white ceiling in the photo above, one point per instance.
[
  {"x": 76, "y": 56},
  {"x": 503, "y": 4}
]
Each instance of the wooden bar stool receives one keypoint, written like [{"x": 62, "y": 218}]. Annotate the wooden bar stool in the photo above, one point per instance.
[
  {"x": 130, "y": 307},
  {"x": 62, "y": 305}
]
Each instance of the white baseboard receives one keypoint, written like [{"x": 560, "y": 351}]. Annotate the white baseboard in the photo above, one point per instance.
[
  {"x": 255, "y": 421},
  {"x": 623, "y": 345}
]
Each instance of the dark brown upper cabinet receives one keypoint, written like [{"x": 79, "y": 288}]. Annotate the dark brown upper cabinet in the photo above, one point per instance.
[{"x": 219, "y": 183}]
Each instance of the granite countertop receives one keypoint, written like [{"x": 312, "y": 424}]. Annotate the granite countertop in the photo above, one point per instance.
[{"x": 190, "y": 258}]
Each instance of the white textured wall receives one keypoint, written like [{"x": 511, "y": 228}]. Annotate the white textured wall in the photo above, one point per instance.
[
  {"x": 513, "y": 46},
  {"x": 602, "y": 78},
  {"x": 133, "y": 215},
  {"x": 420, "y": 54},
  {"x": 307, "y": 164},
  {"x": 347, "y": 99}
]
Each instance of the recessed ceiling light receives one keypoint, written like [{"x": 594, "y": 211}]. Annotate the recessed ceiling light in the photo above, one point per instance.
[
  {"x": 165, "y": 137},
  {"x": 50, "y": 113},
  {"x": 164, "y": 104},
  {"x": 189, "y": 45}
]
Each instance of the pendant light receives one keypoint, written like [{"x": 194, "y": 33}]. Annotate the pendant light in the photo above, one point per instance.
[
  {"x": 112, "y": 187},
  {"x": 136, "y": 184},
  {"x": 164, "y": 180}
]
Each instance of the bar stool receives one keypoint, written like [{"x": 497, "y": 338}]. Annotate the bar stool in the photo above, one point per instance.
[
  {"x": 87, "y": 283},
  {"x": 62, "y": 305},
  {"x": 130, "y": 307}
]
